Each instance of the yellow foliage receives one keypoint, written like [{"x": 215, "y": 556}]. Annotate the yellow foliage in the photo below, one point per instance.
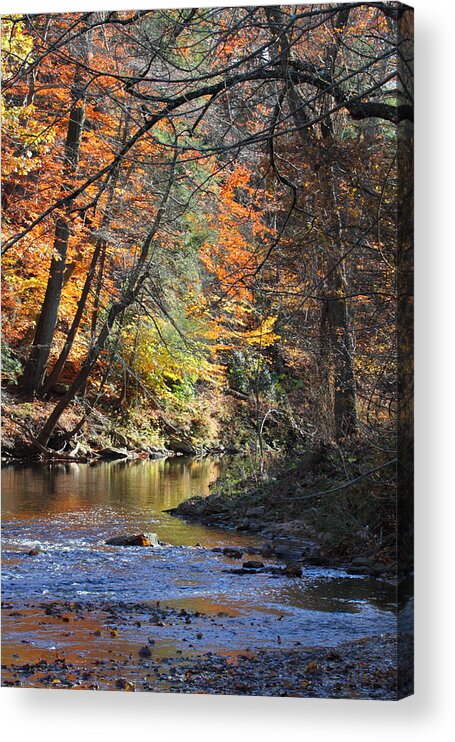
[
  {"x": 167, "y": 364},
  {"x": 263, "y": 335}
]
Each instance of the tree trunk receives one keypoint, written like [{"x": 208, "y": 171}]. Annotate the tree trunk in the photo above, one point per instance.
[
  {"x": 35, "y": 366},
  {"x": 340, "y": 336},
  {"x": 53, "y": 377},
  {"x": 405, "y": 316},
  {"x": 137, "y": 277},
  {"x": 81, "y": 379},
  {"x": 337, "y": 332},
  {"x": 337, "y": 341},
  {"x": 99, "y": 251}
]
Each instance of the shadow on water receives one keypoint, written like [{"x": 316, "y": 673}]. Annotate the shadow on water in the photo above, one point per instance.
[{"x": 321, "y": 593}]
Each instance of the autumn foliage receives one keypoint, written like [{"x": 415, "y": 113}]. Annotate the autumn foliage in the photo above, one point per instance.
[{"x": 203, "y": 202}]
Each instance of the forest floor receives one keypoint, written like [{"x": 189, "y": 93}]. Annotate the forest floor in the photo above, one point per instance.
[
  {"x": 365, "y": 668},
  {"x": 22, "y": 418},
  {"x": 137, "y": 432}
]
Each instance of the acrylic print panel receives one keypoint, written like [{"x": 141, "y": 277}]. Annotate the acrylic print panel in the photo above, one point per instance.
[{"x": 207, "y": 356}]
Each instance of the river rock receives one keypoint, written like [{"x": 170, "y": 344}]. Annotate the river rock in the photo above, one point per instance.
[
  {"x": 252, "y": 550},
  {"x": 255, "y": 512},
  {"x": 287, "y": 554},
  {"x": 140, "y": 539},
  {"x": 181, "y": 446},
  {"x": 35, "y": 551},
  {"x": 111, "y": 453},
  {"x": 389, "y": 569},
  {"x": 216, "y": 448},
  {"x": 360, "y": 571},
  {"x": 232, "y": 553},
  {"x": 380, "y": 568},
  {"x": 157, "y": 453},
  {"x": 124, "y": 684},
  {"x": 232, "y": 449},
  {"x": 253, "y": 564},
  {"x": 254, "y": 526},
  {"x": 268, "y": 550},
  {"x": 309, "y": 550},
  {"x": 191, "y": 508},
  {"x": 292, "y": 570}
]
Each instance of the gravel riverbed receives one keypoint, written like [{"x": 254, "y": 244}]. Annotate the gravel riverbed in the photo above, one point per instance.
[{"x": 98, "y": 650}]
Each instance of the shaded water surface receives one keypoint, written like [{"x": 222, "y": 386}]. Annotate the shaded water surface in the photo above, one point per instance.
[{"x": 70, "y": 510}]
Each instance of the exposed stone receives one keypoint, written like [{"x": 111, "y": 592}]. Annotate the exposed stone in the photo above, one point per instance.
[
  {"x": 232, "y": 553},
  {"x": 286, "y": 553},
  {"x": 309, "y": 549},
  {"x": 216, "y": 448},
  {"x": 252, "y": 550},
  {"x": 292, "y": 570},
  {"x": 360, "y": 571},
  {"x": 181, "y": 446},
  {"x": 232, "y": 449},
  {"x": 111, "y": 453},
  {"x": 268, "y": 550},
  {"x": 389, "y": 568},
  {"x": 155, "y": 453},
  {"x": 123, "y": 684},
  {"x": 255, "y": 512},
  {"x": 252, "y": 564},
  {"x": 140, "y": 539}
]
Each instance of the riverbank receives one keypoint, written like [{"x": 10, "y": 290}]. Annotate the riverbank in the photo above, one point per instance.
[
  {"x": 102, "y": 659},
  {"x": 85, "y": 434},
  {"x": 311, "y": 510},
  {"x": 316, "y": 506}
]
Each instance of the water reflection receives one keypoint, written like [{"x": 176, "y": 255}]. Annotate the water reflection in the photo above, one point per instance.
[
  {"x": 318, "y": 593},
  {"x": 60, "y": 487}
]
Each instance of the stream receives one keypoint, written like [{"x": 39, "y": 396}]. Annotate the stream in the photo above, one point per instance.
[{"x": 68, "y": 511}]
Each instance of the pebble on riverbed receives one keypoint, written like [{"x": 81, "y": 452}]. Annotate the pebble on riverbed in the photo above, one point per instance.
[
  {"x": 232, "y": 553},
  {"x": 123, "y": 684},
  {"x": 145, "y": 652}
]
